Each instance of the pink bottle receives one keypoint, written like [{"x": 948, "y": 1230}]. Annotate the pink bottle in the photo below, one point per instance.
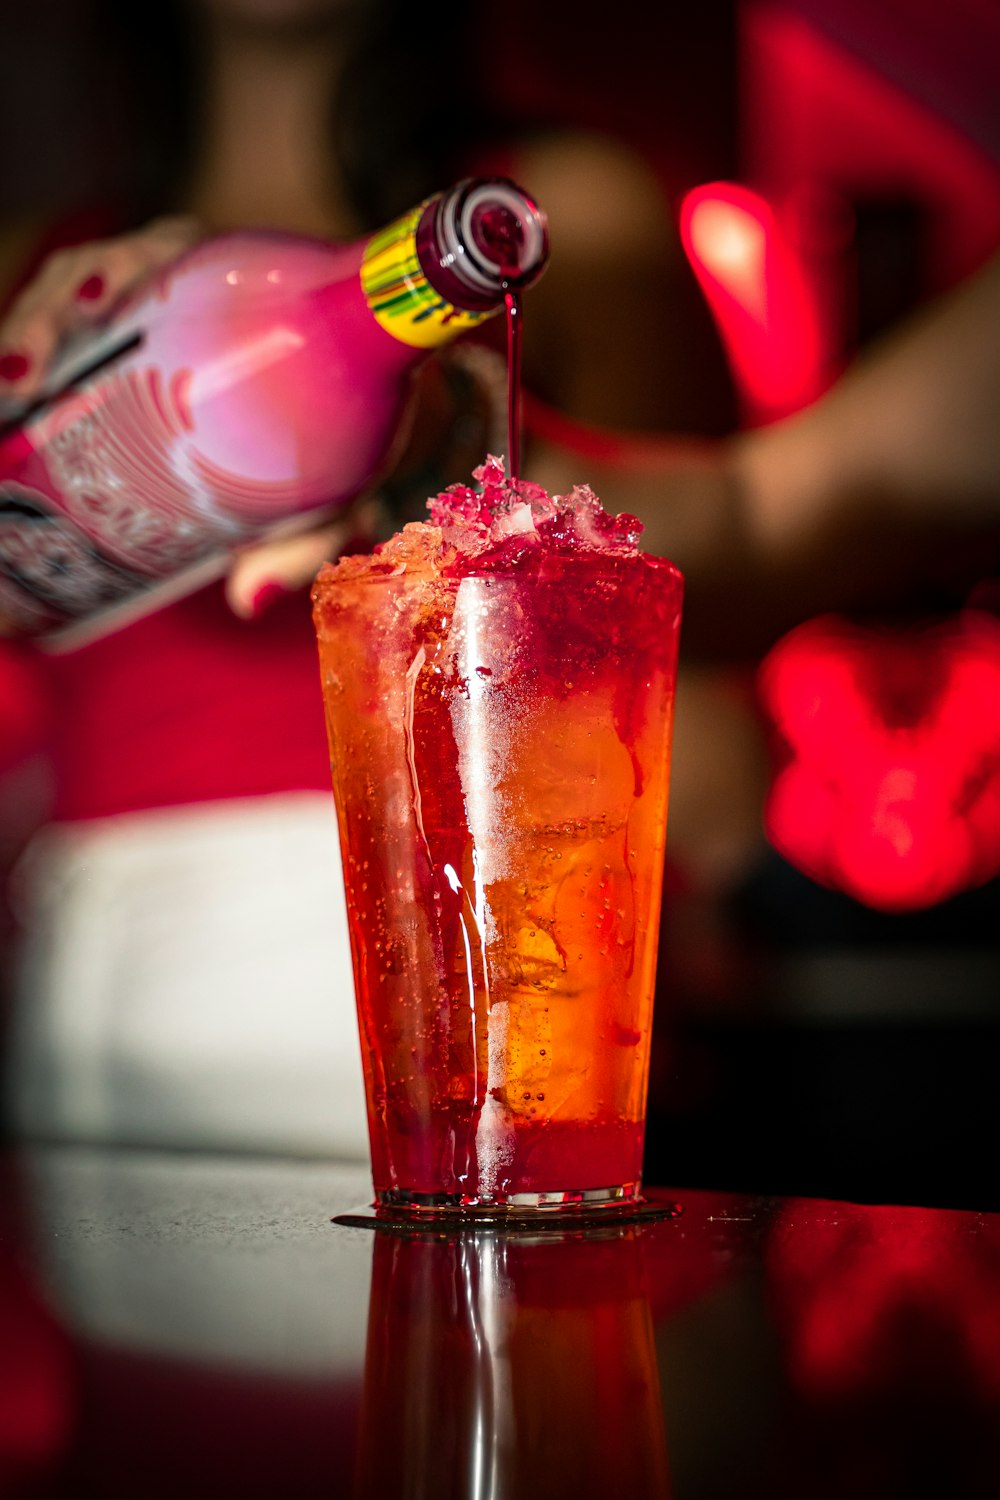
[{"x": 259, "y": 380}]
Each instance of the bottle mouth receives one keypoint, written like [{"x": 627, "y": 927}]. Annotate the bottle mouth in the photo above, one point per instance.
[
  {"x": 489, "y": 235},
  {"x": 502, "y": 233}
]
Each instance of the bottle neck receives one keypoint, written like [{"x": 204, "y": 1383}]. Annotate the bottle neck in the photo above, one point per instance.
[{"x": 445, "y": 266}]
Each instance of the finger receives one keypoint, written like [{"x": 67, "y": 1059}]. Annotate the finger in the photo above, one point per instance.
[
  {"x": 115, "y": 268},
  {"x": 281, "y": 566},
  {"x": 79, "y": 279},
  {"x": 73, "y": 290},
  {"x": 262, "y": 574},
  {"x": 31, "y": 330},
  {"x": 161, "y": 242}
]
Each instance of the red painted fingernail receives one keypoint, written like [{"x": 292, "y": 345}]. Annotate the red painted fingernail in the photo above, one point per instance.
[
  {"x": 91, "y": 289},
  {"x": 14, "y": 366},
  {"x": 269, "y": 593}
]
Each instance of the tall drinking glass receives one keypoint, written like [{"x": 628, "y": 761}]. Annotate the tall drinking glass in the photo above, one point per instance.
[{"x": 500, "y": 744}]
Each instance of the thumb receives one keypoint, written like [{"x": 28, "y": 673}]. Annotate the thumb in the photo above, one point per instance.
[{"x": 284, "y": 565}]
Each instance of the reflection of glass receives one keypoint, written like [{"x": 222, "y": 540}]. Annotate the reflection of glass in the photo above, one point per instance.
[
  {"x": 500, "y": 746},
  {"x": 505, "y": 1366}
]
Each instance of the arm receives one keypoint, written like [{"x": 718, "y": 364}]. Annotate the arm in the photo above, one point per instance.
[
  {"x": 913, "y": 425},
  {"x": 886, "y": 488}
]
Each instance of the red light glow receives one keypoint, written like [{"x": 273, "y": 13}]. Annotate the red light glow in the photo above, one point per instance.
[
  {"x": 868, "y": 1296},
  {"x": 25, "y": 711},
  {"x": 890, "y": 787},
  {"x": 760, "y": 296},
  {"x": 813, "y": 112},
  {"x": 36, "y": 1380}
]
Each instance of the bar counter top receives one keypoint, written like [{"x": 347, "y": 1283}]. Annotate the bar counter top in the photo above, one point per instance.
[{"x": 191, "y": 1325}]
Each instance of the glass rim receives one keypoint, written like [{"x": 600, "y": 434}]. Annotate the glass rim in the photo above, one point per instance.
[{"x": 608, "y": 565}]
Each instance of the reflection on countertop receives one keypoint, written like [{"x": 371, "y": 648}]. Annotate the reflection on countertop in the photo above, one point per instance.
[{"x": 185, "y": 1325}]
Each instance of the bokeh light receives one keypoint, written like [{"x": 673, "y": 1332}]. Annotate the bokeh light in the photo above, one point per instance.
[{"x": 890, "y": 741}]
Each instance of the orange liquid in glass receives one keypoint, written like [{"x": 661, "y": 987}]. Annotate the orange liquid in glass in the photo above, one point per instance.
[{"x": 500, "y": 749}]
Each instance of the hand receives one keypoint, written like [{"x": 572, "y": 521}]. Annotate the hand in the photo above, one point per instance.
[
  {"x": 454, "y": 425},
  {"x": 259, "y": 575},
  {"x": 73, "y": 291}
]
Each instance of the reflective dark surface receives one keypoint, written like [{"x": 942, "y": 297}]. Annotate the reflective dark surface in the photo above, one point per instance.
[{"x": 195, "y": 1326}]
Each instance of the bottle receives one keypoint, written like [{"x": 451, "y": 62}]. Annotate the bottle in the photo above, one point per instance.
[{"x": 259, "y": 381}]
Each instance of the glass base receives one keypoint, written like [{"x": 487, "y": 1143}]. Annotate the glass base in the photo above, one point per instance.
[{"x": 445, "y": 1214}]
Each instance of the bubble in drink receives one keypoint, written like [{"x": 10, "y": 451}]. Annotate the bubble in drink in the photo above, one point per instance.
[{"x": 499, "y": 686}]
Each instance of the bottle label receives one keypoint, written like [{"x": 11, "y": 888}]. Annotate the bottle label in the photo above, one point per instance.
[{"x": 401, "y": 298}]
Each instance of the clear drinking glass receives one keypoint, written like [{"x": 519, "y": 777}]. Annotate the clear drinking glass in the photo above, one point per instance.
[{"x": 500, "y": 744}]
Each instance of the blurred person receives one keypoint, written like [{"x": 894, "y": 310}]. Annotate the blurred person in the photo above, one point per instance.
[
  {"x": 880, "y": 499},
  {"x": 831, "y": 955},
  {"x": 185, "y": 978},
  {"x": 821, "y": 509}
]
